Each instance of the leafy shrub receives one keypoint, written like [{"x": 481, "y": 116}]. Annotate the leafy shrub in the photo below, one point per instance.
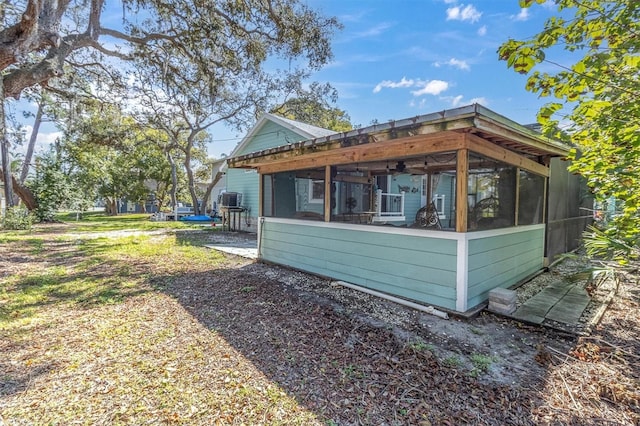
[
  {"x": 51, "y": 187},
  {"x": 17, "y": 218}
]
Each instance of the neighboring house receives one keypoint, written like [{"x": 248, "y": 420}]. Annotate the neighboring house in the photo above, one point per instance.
[
  {"x": 269, "y": 132},
  {"x": 353, "y": 206},
  {"x": 150, "y": 204},
  {"x": 127, "y": 206}
]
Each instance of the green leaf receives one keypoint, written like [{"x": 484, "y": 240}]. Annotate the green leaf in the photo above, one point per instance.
[{"x": 545, "y": 113}]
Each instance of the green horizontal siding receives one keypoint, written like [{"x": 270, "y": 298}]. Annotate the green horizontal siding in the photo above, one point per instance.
[
  {"x": 501, "y": 261},
  {"x": 247, "y": 183},
  {"x": 414, "y": 267},
  {"x": 268, "y": 136}
]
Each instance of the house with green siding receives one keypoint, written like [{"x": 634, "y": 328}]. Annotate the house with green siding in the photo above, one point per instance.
[
  {"x": 269, "y": 132},
  {"x": 437, "y": 209}
]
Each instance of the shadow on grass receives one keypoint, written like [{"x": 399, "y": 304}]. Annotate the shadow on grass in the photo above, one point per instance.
[
  {"x": 203, "y": 235},
  {"x": 68, "y": 272},
  {"x": 81, "y": 289},
  {"x": 15, "y": 380}
]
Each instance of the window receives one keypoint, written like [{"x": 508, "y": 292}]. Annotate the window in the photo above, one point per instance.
[
  {"x": 316, "y": 191},
  {"x": 438, "y": 200},
  {"x": 289, "y": 194}
]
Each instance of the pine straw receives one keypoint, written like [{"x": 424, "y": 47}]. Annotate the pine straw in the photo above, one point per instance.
[
  {"x": 190, "y": 341},
  {"x": 598, "y": 381}
]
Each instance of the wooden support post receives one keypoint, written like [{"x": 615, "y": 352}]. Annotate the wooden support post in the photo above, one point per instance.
[
  {"x": 517, "y": 204},
  {"x": 429, "y": 194},
  {"x": 545, "y": 199},
  {"x": 327, "y": 193},
  {"x": 462, "y": 184},
  {"x": 261, "y": 195}
]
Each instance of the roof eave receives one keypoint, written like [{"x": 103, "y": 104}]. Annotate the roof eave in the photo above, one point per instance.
[{"x": 469, "y": 117}]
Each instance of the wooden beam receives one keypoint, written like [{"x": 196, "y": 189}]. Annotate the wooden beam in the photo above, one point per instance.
[
  {"x": 391, "y": 149},
  {"x": 319, "y": 175},
  {"x": 462, "y": 184},
  {"x": 535, "y": 142},
  {"x": 352, "y": 179},
  {"x": 327, "y": 193},
  {"x": 488, "y": 149}
]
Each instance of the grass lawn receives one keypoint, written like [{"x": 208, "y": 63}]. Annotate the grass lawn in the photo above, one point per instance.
[
  {"x": 89, "y": 336},
  {"x": 99, "y": 222}
]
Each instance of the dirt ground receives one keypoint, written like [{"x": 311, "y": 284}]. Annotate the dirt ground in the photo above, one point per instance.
[{"x": 352, "y": 359}]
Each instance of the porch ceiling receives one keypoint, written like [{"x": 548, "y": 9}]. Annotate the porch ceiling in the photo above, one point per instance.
[{"x": 473, "y": 127}]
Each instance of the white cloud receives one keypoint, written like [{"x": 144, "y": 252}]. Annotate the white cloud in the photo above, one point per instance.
[
  {"x": 394, "y": 84},
  {"x": 482, "y": 30},
  {"x": 522, "y": 16},
  {"x": 356, "y": 17},
  {"x": 48, "y": 138},
  {"x": 456, "y": 63},
  {"x": 459, "y": 100},
  {"x": 430, "y": 87},
  {"x": 433, "y": 87},
  {"x": 463, "y": 13},
  {"x": 375, "y": 31}
]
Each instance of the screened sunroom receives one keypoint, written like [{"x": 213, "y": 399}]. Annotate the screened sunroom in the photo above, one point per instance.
[{"x": 438, "y": 209}]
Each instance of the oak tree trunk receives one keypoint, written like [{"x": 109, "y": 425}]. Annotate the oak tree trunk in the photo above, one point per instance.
[{"x": 207, "y": 194}]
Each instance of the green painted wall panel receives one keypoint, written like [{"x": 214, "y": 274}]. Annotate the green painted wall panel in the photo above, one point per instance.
[
  {"x": 245, "y": 182},
  {"x": 341, "y": 255},
  {"x": 394, "y": 264},
  {"x": 501, "y": 261},
  {"x": 524, "y": 248},
  {"x": 497, "y": 267},
  {"x": 353, "y": 275},
  {"x": 480, "y": 292},
  {"x": 480, "y": 245},
  {"x": 403, "y": 255},
  {"x": 408, "y": 242}
]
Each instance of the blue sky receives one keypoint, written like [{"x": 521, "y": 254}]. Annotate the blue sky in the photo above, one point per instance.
[{"x": 402, "y": 58}]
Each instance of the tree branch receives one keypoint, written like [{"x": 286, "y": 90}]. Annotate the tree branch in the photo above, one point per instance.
[
  {"x": 100, "y": 48},
  {"x": 137, "y": 40}
]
